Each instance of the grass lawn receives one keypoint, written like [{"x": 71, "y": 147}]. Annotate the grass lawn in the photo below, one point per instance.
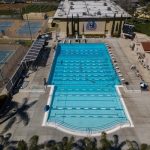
[
  {"x": 7, "y": 12},
  {"x": 39, "y": 8},
  {"x": 15, "y": 9},
  {"x": 143, "y": 28},
  {"x": 26, "y": 43}
]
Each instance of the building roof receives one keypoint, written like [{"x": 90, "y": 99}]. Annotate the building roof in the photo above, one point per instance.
[
  {"x": 146, "y": 46},
  {"x": 88, "y": 9}
]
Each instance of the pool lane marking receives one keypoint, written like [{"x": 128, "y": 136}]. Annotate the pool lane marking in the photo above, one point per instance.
[
  {"x": 69, "y": 108},
  {"x": 60, "y": 108},
  {"x": 78, "y": 108},
  {"x": 94, "y": 108},
  {"x": 87, "y": 108}
]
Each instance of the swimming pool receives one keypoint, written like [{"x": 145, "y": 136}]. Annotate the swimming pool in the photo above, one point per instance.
[{"x": 85, "y": 97}]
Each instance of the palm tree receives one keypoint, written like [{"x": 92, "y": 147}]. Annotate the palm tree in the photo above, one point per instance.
[
  {"x": 67, "y": 143},
  {"x": 18, "y": 114},
  {"x": 132, "y": 145},
  {"x": 50, "y": 145},
  {"x": 144, "y": 147},
  {"x": 22, "y": 145},
  {"x": 79, "y": 145},
  {"x": 105, "y": 144},
  {"x": 115, "y": 143},
  {"x": 59, "y": 146},
  {"x": 33, "y": 143},
  {"x": 6, "y": 143},
  {"x": 90, "y": 143}
]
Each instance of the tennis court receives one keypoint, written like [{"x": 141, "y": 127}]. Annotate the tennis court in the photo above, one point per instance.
[
  {"x": 4, "y": 55},
  {"x": 33, "y": 26},
  {"x": 4, "y": 25}
]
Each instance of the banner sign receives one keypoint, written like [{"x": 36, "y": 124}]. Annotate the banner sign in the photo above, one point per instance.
[{"x": 91, "y": 25}]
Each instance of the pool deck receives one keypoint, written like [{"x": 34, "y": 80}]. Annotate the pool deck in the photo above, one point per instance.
[{"x": 137, "y": 102}]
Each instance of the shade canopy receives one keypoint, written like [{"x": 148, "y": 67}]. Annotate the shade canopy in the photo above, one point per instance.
[{"x": 34, "y": 50}]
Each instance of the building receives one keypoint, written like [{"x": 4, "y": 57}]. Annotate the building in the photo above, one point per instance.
[
  {"x": 127, "y": 3},
  {"x": 91, "y": 18}
]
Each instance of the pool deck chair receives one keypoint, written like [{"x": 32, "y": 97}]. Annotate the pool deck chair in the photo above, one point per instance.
[{"x": 122, "y": 79}]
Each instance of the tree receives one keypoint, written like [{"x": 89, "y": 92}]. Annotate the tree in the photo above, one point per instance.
[
  {"x": 90, "y": 143},
  {"x": 50, "y": 145},
  {"x": 59, "y": 146},
  {"x": 67, "y": 143},
  {"x": 115, "y": 143},
  {"x": 132, "y": 145},
  {"x": 6, "y": 143},
  {"x": 19, "y": 113},
  {"x": 144, "y": 2},
  {"x": 22, "y": 145},
  {"x": 105, "y": 144},
  {"x": 79, "y": 145},
  {"x": 144, "y": 147},
  {"x": 33, "y": 143}
]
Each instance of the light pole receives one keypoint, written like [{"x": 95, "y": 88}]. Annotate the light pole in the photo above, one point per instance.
[{"x": 28, "y": 25}]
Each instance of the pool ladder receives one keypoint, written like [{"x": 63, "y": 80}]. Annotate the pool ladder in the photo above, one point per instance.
[{"x": 89, "y": 131}]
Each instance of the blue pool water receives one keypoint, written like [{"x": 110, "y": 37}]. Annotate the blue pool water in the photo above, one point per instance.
[{"x": 85, "y": 97}]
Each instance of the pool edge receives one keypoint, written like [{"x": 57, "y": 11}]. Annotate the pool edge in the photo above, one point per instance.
[{"x": 124, "y": 105}]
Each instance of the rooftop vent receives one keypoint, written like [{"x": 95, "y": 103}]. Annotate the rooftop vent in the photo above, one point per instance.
[
  {"x": 84, "y": 13},
  {"x": 60, "y": 15},
  {"x": 71, "y": 7},
  {"x": 71, "y": 3},
  {"x": 105, "y": 4},
  {"x": 98, "y": 13},
  {"x": 109, "y": 8}
]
